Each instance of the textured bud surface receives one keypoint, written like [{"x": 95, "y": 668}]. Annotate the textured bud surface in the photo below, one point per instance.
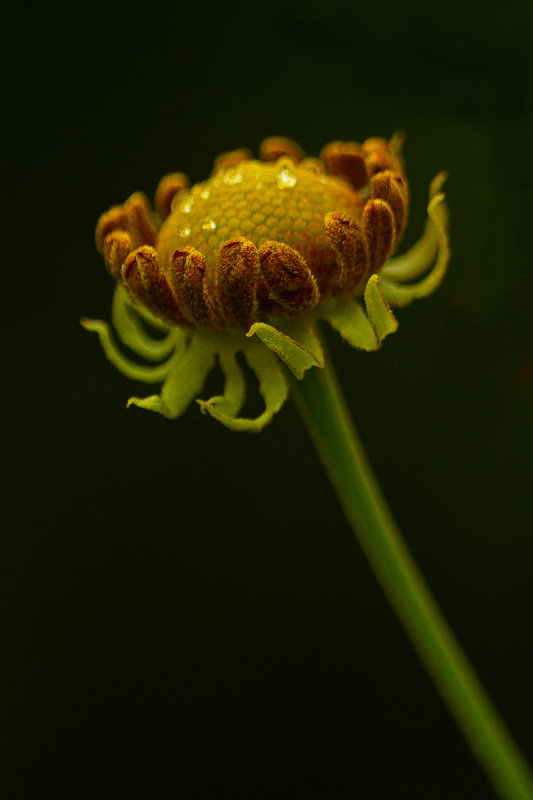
[{"x": 281, "y": 201}]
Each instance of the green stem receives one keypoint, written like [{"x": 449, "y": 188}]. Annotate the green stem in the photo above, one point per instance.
[{"x": 319, "y": 400}]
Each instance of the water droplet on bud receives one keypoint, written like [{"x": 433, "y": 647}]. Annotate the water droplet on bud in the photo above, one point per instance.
[
  {"x": 186, "y": 205},
  {"x": 286, "y": 178},
  {"x": 232, "y": 176},
  {"x": 209, "y": 224}
]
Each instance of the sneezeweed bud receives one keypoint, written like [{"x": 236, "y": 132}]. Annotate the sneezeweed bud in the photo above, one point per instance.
[
  {"x": 248, "y": 262},
  {"x": 252, "y": 258}
]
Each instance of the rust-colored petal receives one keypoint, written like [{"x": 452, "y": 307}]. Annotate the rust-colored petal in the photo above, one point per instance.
[
  {"x": 347, "y": 160},
  {"x": 314, "y": 165},
  {"x": 232, "y": 158},
  {"x": 288, "y": 279},
  {"x": 237, "y": 273},
  {"x": 378, "y": 225},
  {"x": 187, "y": 277},
  {"x": 379, "y": 156},
  {"x": 392, "y": 188},
  {"x": 143, "y": 277},
  {"x": 351, "y": 248},
  {"x": 274, "y": 147},
  {"x": 116, "y": 247},
  {"x": 115, "y": 218},
  {"x": 167, "y": 189},
  {"x": 140, "y": 225}
]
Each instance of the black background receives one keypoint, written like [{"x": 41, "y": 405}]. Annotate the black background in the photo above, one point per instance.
[{"x": 186, "y": 611}]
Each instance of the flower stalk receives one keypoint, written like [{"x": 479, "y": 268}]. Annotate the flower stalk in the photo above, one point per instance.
[{"x": 321, "y": 405}]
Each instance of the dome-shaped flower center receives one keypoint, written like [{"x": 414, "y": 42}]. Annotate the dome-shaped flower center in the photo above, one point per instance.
[{"x": 280, "y": 201}]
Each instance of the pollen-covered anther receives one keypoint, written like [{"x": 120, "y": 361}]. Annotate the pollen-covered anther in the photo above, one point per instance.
[
  {"x": 274, "y": 147},
  {"x": 187, "y": 280},
  {"x": 142, "y": 275},
  {"x": 351, "y": 249},
  {"x": 237, "y": 273},
  {"x": 378, "y": 225},
  {"x": 232, "y": 158},
  {"x": 167, "y": 189},
  {"x": 289, "y": 281},
  {"x": 392, "y": 187},
  {"x": 346, "y": 159},
  {"x": 117, "y": 245}
]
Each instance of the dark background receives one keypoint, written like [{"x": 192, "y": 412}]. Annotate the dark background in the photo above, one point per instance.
[{"x": 186, "y": 611}]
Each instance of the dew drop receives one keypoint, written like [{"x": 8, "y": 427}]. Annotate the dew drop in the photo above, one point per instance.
[
  {"x": 185, "y": 232},
  {"x": 186, "y": 205},
  {"x": 209, "y": 224},
  {"x": 232, "y": 176},
  {"x": 205, "y": 193},
  {"x": 286, "y": 178}
]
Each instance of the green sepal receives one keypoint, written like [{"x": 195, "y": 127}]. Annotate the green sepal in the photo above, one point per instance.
[
  {"x": 378, "y": 310},
  {"x": 303, "y": 331},
  {"x": 130, "y": 369},
  {"x": 349, "y": 319},
  {"x": 294, "y": 354},
  {"x": 132, "y": 333},
  {"x": 146, "y": 315},
  {"x": 272, "y": 386},
  {"x": 152, "y": 403},
  {"x": 230, "y": 403},
  {"x": 184, "y": 380},
  {"x": 435, "y": 244}
]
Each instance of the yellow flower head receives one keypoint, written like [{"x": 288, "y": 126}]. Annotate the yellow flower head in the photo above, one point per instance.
[{"x": 249, "y": 259}]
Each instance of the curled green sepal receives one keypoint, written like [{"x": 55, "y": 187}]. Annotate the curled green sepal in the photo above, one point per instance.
[
  {"x": 138, "y": 372},
  {"x": 132, "y": 332},
  {"x": 272, "y": 386},
  {"x": 184, "y": 380},
  {"x": 431, "y": 249},
  {"x": 296, "y": 355},
  {"x": 230, "y": 402}
]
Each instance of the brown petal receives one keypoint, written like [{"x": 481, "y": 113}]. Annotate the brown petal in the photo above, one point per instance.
[
  {"x": 116, "y": 247},
  {"x": 392, "y": 187},
  {"x": 351, "y": 249},
  {"x": 141, "y": 225},
  {"x": 289, "y": 281},
  {"x": 274, "y": 147},
  {"x": 378, "y": 226},
  {"x": 167, "y": 189},
  {"x": 346, "y": 159},
  {"x": 232, "y": 158},
  {"x": 142, "y": 275},
  {"x": 237, "y": 273},
  {"x": 187, "y": 276},
  {"x": 379, "y": 156},
  {"x": 113, "y": 219}
]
